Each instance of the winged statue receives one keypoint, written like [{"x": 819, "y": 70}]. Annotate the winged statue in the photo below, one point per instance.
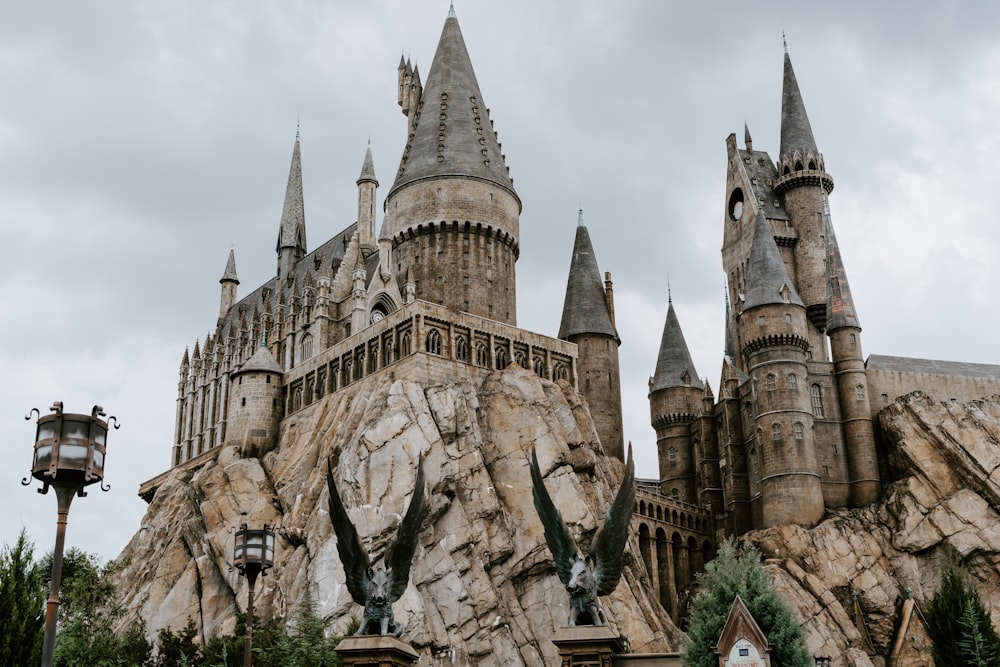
[
  {"x": 377, "y": 588},
  {"x": 597, "y": 573}
]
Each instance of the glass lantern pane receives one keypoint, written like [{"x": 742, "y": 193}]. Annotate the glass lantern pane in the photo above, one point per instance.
[
  {"x": 43, "y": 455},
  {"x": 73, "y": 455},
  {"x": 100, "y": 435},
  {"x": 255, "y": 552},
  {"x": 98, "y": 460},
  {"x": 76, "y": 430},
  {"x": 46, "y": 431}
]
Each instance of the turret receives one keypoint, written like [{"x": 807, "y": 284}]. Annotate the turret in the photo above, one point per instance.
[
  {"x": 844, "y": 331},
  {"x": 773, "y": 329},
  {"x": 229, "y": 281},
  {"x": 588, "y": 321},
  {"x": 410, "y": 91},
  {"x": 675, "y": 403},
  {"x": 255, "y": 404},
  {"x": 452, "y": 212},
  {"x": 367, "y": 187},
  {"x": 802, "y": 183},
  {"x": 291, "y": 246}
]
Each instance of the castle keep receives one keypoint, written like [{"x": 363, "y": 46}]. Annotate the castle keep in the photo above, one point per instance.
[{"x": 791, "y": 433}]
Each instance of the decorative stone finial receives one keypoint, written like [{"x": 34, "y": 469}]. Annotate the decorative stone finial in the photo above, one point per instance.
[
  {"x": 451, "y": 10},
  {"x": 784, "y": 42},
  {"x": 579, "y": 219}
]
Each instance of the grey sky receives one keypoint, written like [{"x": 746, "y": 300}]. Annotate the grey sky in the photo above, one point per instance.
[{"x": 140, "y": 141}]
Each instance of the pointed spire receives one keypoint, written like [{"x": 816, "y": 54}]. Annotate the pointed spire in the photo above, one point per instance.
[
  {"x": 585, "y": 310},
  {"x": 292, "y": 233},
  {"x": 767, "y": 276},
  {"x": 674, "y": 367},
  {"x": 747, "y": 139},
  {"x": 452, "y": 134},
  {"x": 579, "y": 219},
  {"x": 262, "y": 360},
  {"x": 368, "y": 167},
  {"x": 840, "y": 310},
  {"x": 796, "y": 133},
  {"x": 230, "y": 273},
  {"x": 451, "y": 10}
]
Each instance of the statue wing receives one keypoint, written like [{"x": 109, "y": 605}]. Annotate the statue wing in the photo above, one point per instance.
[
  {"x": 608, "y": 545},
  {"x": 399, "y": 556},
  {"x": 561, "y": 544},
  {"x": 353, "y": 556}
]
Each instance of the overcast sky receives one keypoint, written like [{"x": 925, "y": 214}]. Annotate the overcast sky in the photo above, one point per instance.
[{"x": 140, "y": 141}]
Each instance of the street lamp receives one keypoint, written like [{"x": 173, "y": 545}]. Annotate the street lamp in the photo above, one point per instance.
[
  {"x": 253, "y": 554},
  {"x": 69, "y": 455}
]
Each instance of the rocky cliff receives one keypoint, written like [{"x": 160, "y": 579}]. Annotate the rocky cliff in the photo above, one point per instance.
[
  {"x": 849, "y": 577},
  {"x": 483, "y": 589}
]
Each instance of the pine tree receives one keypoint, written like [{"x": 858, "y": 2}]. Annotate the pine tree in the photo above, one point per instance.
[
  {"x": 22, "y": 604},
  {"x": 737, "y": 571},
  {"x": 957, "y": 622}
]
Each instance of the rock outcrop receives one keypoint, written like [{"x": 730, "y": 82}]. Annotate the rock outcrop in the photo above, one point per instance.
[
  {"x": 482, "y": 588},
  {"x": 849, "y": 577}
]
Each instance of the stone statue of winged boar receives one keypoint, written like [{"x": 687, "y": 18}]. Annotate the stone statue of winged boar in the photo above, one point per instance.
[
  {"x": 377, "y": 588},
  {"x": 597, "y": 573}
]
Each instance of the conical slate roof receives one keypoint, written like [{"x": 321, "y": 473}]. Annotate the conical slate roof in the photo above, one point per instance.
[
  {"x": 452, "y": 134},
  {"x": 767, "y": 274},
  {"x": 230, "y": 272},
  {"x": 292, "y": 233},
  {"x": 796, "y": 133},
  {"x": 262, "y": 360},
  {"x": 674, "y": 359},
  {"x": 368, "y": 168},
  {"x": 585, "y": 310},
  {"x": 839, "y": 302}
]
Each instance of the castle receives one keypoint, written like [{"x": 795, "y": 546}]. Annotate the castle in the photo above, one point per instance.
[{"x": 791, "y": 433}]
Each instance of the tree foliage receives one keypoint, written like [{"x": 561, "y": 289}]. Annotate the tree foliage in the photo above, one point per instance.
[
  {"x": 737, "y": 571},
  {"x": 958, "y": 624},
  {"x": 22, "y": 604}
]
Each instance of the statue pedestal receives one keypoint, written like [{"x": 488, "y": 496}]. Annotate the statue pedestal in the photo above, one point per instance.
[
  {"x": 375, "y": 651},
  {"x": 591, "y": 645}
]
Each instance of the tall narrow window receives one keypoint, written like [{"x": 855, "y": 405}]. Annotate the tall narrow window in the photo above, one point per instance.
[
  {"x": 799, "y": 430},
  {"x": 776, "y": 432},
  {"x": 771, "y": 381},
  {"x": 817, "y": 400},
  {"x": 793, "y": 381},
  {"x": 433, "y": 343},
  {"x": 859, "y": 392}
]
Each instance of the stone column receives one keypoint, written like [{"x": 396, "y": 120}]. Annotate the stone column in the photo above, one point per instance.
[
  {"x": 588, "y": 645},
  {"x": 375, "y": 651}
]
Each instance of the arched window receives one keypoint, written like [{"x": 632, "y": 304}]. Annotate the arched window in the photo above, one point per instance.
[
  {"x": 521, "y": 360},
  {"x": 359, "y": 367},
  {"x": 674, "y": 493},
  {"x": 305, "y": 348},
  {"x": 560, "y": 372},
  {"x": 297, "y": 399},
  {"x": 404, "y": 345},
  {"x": 798, "y": 430},
  {"x": 776, "y": 432},
  {"x": 348, "y": 367},
  {"x": 793, "y": 381},
  {"x": 501, "y": 356},
  {"x": 817, "y": 400},
  {"x": 433, "y": 343},
  {"x": 771, "y": 382},
  {"x": 539, "y": 366},
  {"x": 482, "y": 354},
  {"x": 374, "y": 359},
  {"x": 387, "y": 352},
  {"x": 859, "y": 392},
  {"x": 461, "y": 349}
]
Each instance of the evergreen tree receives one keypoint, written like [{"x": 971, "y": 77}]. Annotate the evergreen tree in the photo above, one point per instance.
[
  {"x": 22, "y": 604},
  {"x": 958, "y": 624},
  {"x": 737, "y": 571},
  {"x": 307, "y": 644}
]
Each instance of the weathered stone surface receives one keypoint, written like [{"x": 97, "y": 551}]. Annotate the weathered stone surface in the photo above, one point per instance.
[
  {"x": 944, "y": 459},
  {"x": 482, "y": 584}
]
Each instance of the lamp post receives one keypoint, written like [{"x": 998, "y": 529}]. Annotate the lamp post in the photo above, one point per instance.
[
  {"x": 69, "y": 455},
  {"x": 253, "y": 554}
]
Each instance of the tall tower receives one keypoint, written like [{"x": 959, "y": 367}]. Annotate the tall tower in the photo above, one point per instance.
[
  {"x": 852, "y": 382},
  {"x": 802, "y": 184},
  {"x": 291, "y": 245},
  {"x": 229, "y": 281},
  {"x": 675, "y": 403},
  {"x": 255, "y": 404},
  {"x": 772, "y": 324},
  {"x": 452, "y": 212},
  {"x": 367, "y": 187},
  {"x": 588, "y": 320}
]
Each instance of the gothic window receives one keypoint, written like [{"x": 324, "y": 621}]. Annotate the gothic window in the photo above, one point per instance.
[
  {"x": 793, "y": 381},
  {"x": 297, "y": 399},
  {"x": 798, "y": 430},
  {"x": 520, "y": 359},
  {"x": 539, "y": 367},
  {"x": 817, "y": 400},
  {"x": 674, "y": 493},
  {"x": 672, "y": 456},
  {"x": 776, "y": 433},
  {"x": 387, "y": 353},
  {"x": 859, "y": 392},
  {"x": 686, "y": 379},
  {"x": 771, "y": 381},
  {"x": 348, "y": 367},
  {"x": 501, "y": 356},
  {"x": 306, "y": 347},
  {"x": 560, "y": 372},
  {"x": 374, "y": 359},
  {"x": 433, "y": 343},
  {"x": 359, "y": 368},
  {"x": 854, "y": 339},
  {"x": 404, "y": 345},
  {"x": 747, "y": 411},
  {"x": 760, "y": 320},
  {"x": 461, "y": 349},
  {"x": 482, "y": 354}
]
